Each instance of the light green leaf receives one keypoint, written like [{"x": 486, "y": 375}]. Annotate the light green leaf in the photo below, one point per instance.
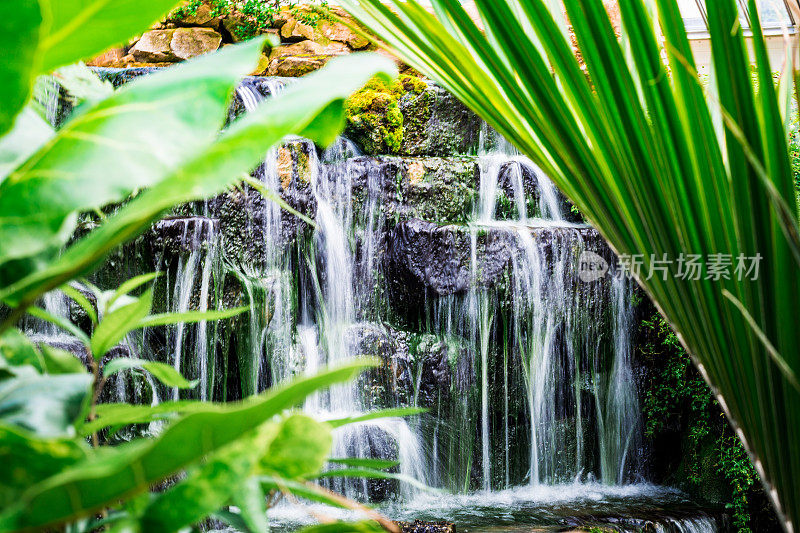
[
  {"x": 117, "y": 323},
  {"x": 61, "y": 322},
  {"x": 82, "y": 83},
  {"x": 123, "y": 414},
  {"x": 344, "y": 527},
  {"x": 29, "y": 133},
  {"x": 370, "y": 473},
  {"x": 299, "y": 449},
  {"x": 252, "y": 504},
  {"x": 57, "y": 361},
  {"x": 20, "y": 29},
  {"x": 29, "y": 460},
  {"x": 131, "y": 285},
  {"x": 189, "y": 317},
  {"x": 380, "y": 413},
  {"x": 81, "y": 29},
  {"x": 164, "y": 373},
  {"x": 129, "y": 469},
  {"x": 236, "y": 151},
  {"x": 144, "y": 131},
  {"x": 17, "y": 350},
  {"x": 44, "y": 405},
  {"x": 364, "y": 462},
  {"x": 79, "y": 298}
]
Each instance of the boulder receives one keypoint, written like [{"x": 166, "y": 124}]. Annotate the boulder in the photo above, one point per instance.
[
  {"x": 154, "y": 47},
  {"x": 336, "y": 31},
  {"x": 109, "y": 58},
  {"x": 202, "y": 17},
  {"x": 191, "y": 42},
  {"x": 308, "y": 48},
  {"x": 294, "y": 30},
  {"x": 295, "y": 66}
]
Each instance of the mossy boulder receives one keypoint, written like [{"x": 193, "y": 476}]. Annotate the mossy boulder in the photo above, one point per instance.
[{"x": 374, "y": 119}]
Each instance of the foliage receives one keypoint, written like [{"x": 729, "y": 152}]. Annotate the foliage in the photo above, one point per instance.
[
  {"x": 374, "y": 119},
  {"x": 658, "y": 166},
  {"x": 677, "y": 396},
  {"x": 161, "y": 136},
  {"x": 253, "y": 16}
]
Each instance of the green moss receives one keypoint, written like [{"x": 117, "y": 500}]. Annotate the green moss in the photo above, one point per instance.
[{"x": 374, "y": 119}]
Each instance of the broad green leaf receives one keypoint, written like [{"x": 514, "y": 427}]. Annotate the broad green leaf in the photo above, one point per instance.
[
  {"x": 117, "y": 323},
  {"x": 58, "y": 361},
  {"x": 189, "y": 317},
  {"x": 252, "y": 504},
  {"x": 29, "y": 460},
  {"x": 29, "y": 133},
  {"x": 236, "y": 152},
  {"x": 82, "y": 83},
  {"x": 122, "y": 414},
  {"x": 81, "y": 29},
  {"x": 299, "y": 449},
  {"x": 364, "y": 462},
  {"x": 162, "y": 372},
  {"x": 131, "y": 468},
  {"x": 344, "y": 527},
  {"x": 20, "y": 29},
  {"x": 144, "y": 131},
  {"x": 17, "y": 350},
  {"x": 44, "y": 405},
  {"x": 209, "y": 487}
]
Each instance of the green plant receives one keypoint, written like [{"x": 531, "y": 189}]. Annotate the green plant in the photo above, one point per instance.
[
  {"x": 253, "y": 16},
  {"x": 633, "y": 140},
  {"x": 155, "y": 143},
  {"x": 677, "y": 397}
]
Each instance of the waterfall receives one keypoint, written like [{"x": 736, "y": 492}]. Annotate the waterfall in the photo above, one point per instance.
[{"x": 192, "y": 244}]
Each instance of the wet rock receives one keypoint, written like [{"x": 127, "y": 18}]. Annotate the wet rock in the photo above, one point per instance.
[
  {"x": 191, "y": 42},
  {"x": 154, "y": 47},
  {"x": 436, "y": 123},
  {"x": 296, "y": 66},
  {"x": 434, "y": 360},
  {"x": 77, "y": 314},
  {"x": 440, "y": 189},
  {"x": 392, "y": 381},
  {"x": 180, "y": 236},
  {"x": 419, "y": 526}
]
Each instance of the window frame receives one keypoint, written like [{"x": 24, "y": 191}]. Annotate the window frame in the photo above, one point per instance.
[{"x": 704, "y": 34}]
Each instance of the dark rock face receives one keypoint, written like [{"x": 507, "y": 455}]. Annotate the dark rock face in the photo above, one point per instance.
[{"x": 437, "y": 124}]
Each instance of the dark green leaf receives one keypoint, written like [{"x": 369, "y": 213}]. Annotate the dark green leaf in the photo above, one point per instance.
[
  {"x": 380, "y": 413},
  {"x": 364, "y": 462},
  {"x": 189, "y": 317}
]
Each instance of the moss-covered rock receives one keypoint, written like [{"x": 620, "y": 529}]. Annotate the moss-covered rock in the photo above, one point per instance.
[{"x": 374, "y": 119}]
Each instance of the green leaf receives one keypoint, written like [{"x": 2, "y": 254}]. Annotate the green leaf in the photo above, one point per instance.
[
  {"x": 131, "y": 285},
  {"x": 162, "y": 372},
  {"x": 79, "y": 298},
  {"x": 57, "y": 361},
  {"x": 29, "y": 133},
  {"x": 123, "y": 414},
  {"x": 30, "y": 459},
  {"x": 236, "y": 151},
  {"x": 80, "y": 29},
  {"x": 61, "y": 322},
  {"x": 18, "y": 350},
  {"x": 117, "y": 323},
  {"x": 44, "y": 405},
  {"x": 131, "y": 468},
  {"x": 344, "y": 527},
  {"x": 252, "y": 504},
  {"x": 189, "y": 317},
  {"x": 209, "y": 487},
  {"x": 380, "y": 413},
  {"x": 369, "y": 473},
  {"x": 299, "y": 449},
  {"x": 145, "y": 131},
  {"x": 306, "y": 490},
  {"x": 20, "y": 29},
  {"x": 363, "y": 462},
  {"x": 82, "y": 83}
]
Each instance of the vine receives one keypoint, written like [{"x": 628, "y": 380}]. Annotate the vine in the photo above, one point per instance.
[{"x": 678, "y": 397}]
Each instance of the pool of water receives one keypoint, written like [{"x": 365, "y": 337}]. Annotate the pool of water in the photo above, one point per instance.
[{"x": 536, "y": 508}]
